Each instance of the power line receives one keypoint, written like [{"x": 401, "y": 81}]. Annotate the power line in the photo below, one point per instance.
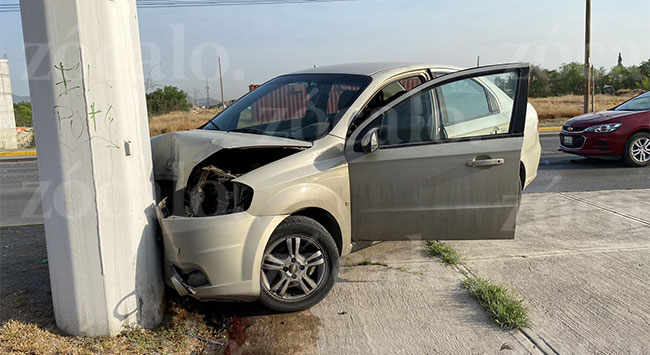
[{"x": 154, "y": 4}]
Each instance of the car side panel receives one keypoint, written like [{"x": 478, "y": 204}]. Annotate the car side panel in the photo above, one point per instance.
[
  {"x": 427, "y": 204},
  {"x": 317, "y": 177}
]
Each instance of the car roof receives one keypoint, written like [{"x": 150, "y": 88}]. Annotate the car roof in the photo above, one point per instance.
[{"x": 374, "y": 69}]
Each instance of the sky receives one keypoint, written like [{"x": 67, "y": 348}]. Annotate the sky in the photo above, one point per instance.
[{"x": 180, "y": 46}]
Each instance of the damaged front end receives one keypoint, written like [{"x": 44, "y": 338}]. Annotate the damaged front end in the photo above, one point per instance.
[
  {"x": 201, "y": 204},
  {"x": 214, "y": 193},
  {"x": 196, "y": 171}
]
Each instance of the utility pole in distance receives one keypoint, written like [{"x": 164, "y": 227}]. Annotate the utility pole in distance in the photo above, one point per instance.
[
  {"x": 223, "y": 102},
  {"x": 587, "y": 56},
  {"x": 593, "y": 89},
  {"x": 86, "y": 80},
  {"x": 207, "y": 93}
]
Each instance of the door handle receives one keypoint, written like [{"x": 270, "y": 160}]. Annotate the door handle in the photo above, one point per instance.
[{"x": 485, "y": 162}]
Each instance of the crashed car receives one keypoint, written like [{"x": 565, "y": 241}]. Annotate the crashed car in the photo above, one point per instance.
[{"x": 262, "y": 201}]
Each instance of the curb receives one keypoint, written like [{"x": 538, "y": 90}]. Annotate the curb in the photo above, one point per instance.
[{"x": 23, "y": 153}]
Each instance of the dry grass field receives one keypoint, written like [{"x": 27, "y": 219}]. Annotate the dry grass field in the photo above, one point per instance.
[
  {"x": 550, "y": 110},
  {"x": 179, "y": 121},
  {"x": 561, "y": 108}
]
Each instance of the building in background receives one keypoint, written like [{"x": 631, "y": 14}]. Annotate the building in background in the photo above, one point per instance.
[{"x": 7, "y": 119}]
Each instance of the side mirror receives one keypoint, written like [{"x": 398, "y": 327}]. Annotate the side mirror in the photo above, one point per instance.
[{"x": 370, "y": 141}]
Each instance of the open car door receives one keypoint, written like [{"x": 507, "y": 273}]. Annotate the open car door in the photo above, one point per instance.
[{"x": 442, "y": 161}]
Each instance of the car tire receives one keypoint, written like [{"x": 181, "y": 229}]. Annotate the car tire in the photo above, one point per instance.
[
  {"x": 291, "y": 280},
  {"x": 634, "y": 143}
]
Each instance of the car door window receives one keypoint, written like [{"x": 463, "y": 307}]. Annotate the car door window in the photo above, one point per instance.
[
  {"x": 476, "y": 107},
  {"x": 386, "y": 95},
  {"x": 464, "y": 100},
  {"x": 409, "y": 122}
]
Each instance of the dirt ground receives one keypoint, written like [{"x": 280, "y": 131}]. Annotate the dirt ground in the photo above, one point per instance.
[
  {"x": 24, "y": 279},
  {"x": 27, "y": 322}
]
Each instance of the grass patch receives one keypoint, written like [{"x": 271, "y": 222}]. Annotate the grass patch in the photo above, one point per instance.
[
  {"x": 507, "y": 310},
  {"x": 182, "y": 332},
  {"x": 445, "y": 252},
  {"x": 368, "y": 262}
]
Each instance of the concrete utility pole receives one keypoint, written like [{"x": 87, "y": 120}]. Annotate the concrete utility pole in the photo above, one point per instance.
[
  {"x": 223, "y": 102},
  {"x": 593, "y": 89},
  {"x": 587, "y": 56},
  {"x": 207, "y": 93},
  {"x": 94, "y": 160},
  {"x": 7, "y": 119}
]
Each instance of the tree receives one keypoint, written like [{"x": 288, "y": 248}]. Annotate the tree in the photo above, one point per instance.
[
  {"x": 166, "y": 100},
  {"x": 599, "y": 75},
  {"x": 23, "y": 114},
  {"x": 644, "y": 68},
  {"x": 644, "y": 84},
  {"x": 619, "y": 78},
  {"x": 539, "y": 82},
  {"x": 569, "y": 79}
]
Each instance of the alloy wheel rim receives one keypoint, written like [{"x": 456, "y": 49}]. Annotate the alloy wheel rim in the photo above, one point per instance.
[
  {"x": 640, "y": 149},
  {"x": 294, "y": 267}
]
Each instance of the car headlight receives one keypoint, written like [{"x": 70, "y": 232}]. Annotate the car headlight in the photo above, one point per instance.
[{"x": 604, "y": 128}]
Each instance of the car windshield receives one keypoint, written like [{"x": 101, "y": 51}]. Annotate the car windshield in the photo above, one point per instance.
[
  {"x": 299, "y": 106},
  {"x": 639, "y": 103}
]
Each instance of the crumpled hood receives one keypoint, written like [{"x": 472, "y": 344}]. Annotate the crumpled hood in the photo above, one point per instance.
[
  {"x": 590, "y": 119},
  {"x": 175, "y": 154}
]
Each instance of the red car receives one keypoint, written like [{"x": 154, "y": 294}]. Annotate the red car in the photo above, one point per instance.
[{"x": 621, "y": 132}]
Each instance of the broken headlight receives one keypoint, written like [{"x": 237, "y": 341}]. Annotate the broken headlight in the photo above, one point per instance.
[{"x": 213, "y": 193}]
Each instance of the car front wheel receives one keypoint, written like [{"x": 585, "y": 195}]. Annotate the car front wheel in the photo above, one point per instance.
[
  {"x": 637, "y": 150},
  {"x": 299, "y": 266}
]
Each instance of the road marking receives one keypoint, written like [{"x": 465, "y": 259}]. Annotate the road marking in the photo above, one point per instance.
[{"x": 18, "y": 154}]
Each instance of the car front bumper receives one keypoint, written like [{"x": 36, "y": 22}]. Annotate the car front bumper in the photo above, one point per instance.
[
  {"x": 226, "y": 249},
  {"x": 592, "y": 144}
]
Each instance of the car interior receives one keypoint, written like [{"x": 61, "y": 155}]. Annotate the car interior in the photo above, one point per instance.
[{"x": 386, "y": 95}]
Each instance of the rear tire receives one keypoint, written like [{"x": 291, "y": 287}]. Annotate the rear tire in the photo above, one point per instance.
[
  {"x": 637, "y": 150},
  {"x": 299, "y": 266}
]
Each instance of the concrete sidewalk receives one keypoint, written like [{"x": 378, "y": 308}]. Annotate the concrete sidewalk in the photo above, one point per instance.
[{"x": 580, "y": 260}]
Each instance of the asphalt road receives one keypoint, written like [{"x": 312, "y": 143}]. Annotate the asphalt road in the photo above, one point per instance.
[
  {"x": 20, "y": 199},
  {"x": 558, "y": 172},
  {"x": 561, "y": 172}
]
